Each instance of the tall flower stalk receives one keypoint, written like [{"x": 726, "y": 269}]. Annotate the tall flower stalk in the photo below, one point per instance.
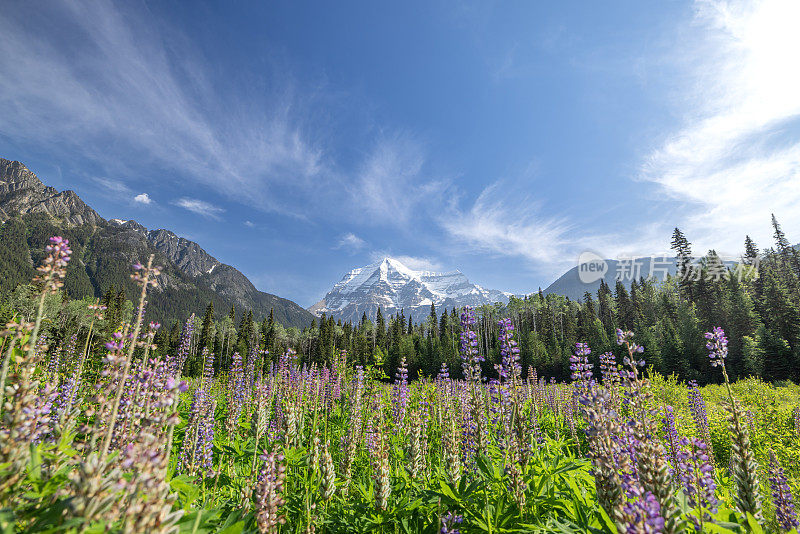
[
  {"x": 745, "y": 468},
  {"x": 785, "y": 513}
]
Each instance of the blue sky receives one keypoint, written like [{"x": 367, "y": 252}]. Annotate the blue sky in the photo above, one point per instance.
[{"x": 297, "y": 140}]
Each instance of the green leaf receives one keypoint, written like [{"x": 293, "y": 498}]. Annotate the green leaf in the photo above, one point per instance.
[
  {"x": 755, "y": 527},
  {"x": 236, "y": 528}
]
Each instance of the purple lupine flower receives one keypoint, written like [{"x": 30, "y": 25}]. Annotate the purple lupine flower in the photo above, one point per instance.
[
  {"x": 54, "y": 266},
  {"x": 184, "y": 348},
  {"x": 205, "y": 439},
  {"x": 785, "y": 513},
  {"x": 250, "y": 371},
  {"x": 448, "y": 523},
  {"x": 444, "y": 373},
  {"x": 696, "y": 473},
  {"x": 643, "y": 515},
  {"x": 626, "y": 338},
  {"x": 269, "y": 493},
  {"x": 236, "y": 392},
  {"x": 697, "y": 407},
  {"x": 552, "y": 399},
  {"x": 509, "y": 352},
  {"x": 56, "y": 358},
  {"x": 359, "y": 378},
  {"x": 579, "y": 364},
  {"x": 192, "y": 438},
  {"x": 67, "y": 390},
  {"x": 470, "y": 356},
  {"x": 493, "y": 389},
  {"x": 717, "y": 346},
  {"x": 401, "y": 392},
  {"x": 41, "y": 413},
  {"x": 608, "y": 368}
]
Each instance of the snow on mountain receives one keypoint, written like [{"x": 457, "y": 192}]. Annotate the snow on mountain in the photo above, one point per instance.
[{"x": 392, "y": 286}]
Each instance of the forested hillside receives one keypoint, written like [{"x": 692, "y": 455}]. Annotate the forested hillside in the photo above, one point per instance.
[
  {"x": 103, "y": 256},
  {"x": 30, "y": 212}
]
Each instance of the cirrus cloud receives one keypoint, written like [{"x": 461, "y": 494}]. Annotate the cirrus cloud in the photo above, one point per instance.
[
  {"x": 736, "y": 157},
  {"x": 351, "y": 241},
  {"x": 200, "y": 207}
]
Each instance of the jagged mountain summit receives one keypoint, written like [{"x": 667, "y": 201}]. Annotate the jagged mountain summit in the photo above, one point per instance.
[
  {"x": 22, "y": 192},
  {"x": 391, "y": 286},
  {"x": 107, "y": 249}
]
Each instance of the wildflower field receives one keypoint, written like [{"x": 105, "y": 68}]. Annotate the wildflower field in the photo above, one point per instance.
[{"x": 116, "y": 440}]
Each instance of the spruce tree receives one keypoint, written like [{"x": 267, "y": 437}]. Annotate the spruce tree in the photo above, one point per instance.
[
  {"x": 269, "y": 335},
  {"x": 380, "y": 330},
  {"x": 206, "y": 333},
  {"x": 625, "y": 313},
  {"x": 683, "y": 253},
  {"x": 750, "y": 251},
  {"x": 433, "y": 319}
]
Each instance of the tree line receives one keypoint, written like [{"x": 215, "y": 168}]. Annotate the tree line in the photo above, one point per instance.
[{"x": 759, "y": 311}]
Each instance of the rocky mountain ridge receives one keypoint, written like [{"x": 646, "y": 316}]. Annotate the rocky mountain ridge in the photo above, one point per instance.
[{"x": 23, "y": 194}]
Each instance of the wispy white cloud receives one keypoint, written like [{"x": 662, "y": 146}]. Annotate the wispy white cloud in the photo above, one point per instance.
[
  {"x": 112, "y": 186},
  {"x": 143, "y": 198},
  {"x": 420, "y": 263},
  {"x": 351, "y": 241},
  {"x": 200, "y": 207},
  {"x": 507, "y": 223},
  {"x": 142, "y": 97},
  {"x": 417, "y": 263},
  {"x": 250, "y": 224},
  {"x": 736, "y": 159},
  {"x": 392, "y": 181},
  {"x": 140, "y": 94},
  {"x": 120, "y": 190}
]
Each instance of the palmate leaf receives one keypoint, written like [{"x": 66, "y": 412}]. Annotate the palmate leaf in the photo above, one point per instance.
[{"x": 489, "y": 470}]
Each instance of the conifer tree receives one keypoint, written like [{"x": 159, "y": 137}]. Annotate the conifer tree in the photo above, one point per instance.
[
  {"x": 380, "y": 330},
  {"x": 683, "y": 253},
  {"x": 269, "y": 334},
  {"x": 750, "y": 251},
  {"x": 605, "y": 309},
  {"x": 625, "y": 313},
  {"x": 206, "y": 333}
]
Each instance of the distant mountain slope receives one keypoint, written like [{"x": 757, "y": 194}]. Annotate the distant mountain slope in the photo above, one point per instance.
[
  {"x": 106, "y": 250},
  {"x": 391, "y": 286}
]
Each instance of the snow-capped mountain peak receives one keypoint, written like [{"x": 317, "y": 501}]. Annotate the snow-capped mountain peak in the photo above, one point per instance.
[{"x": 391, "y": 285}]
